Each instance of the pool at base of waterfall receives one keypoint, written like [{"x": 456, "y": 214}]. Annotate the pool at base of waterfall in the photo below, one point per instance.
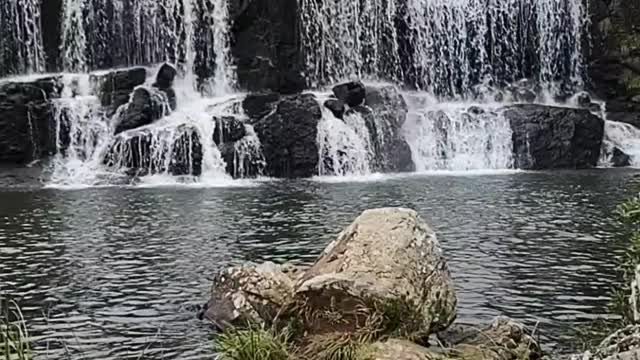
[{"x": 112, "y": 273}]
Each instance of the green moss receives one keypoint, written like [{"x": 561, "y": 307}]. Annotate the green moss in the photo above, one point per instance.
[{"x": 338, "y": 346}]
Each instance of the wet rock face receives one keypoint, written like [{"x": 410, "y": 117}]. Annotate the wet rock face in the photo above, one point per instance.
[
  {"x": 385, "y": 111},
  {"x": 144, "y": 152},
  {"x": 287, "y": 127},
  {"x": 386, "y": 256},
  {"x": 619, "y": 158},
  {"x": 27, "y": 129},
  {"x": 351, "y": 93},
  {"x": 614, "y": 67},
  {"x": 337, "y": 107},
  {"x": 265, "y": 45},
  {"x": 115, "y": 87},
  {"x": 164, "y": 82},
  {"x": 546, "y": 137},
  {"x": 228, "y": 129},
  {"x": 145, "y": 106}
]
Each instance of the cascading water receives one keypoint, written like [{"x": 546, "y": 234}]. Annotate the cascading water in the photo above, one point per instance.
[
  {"x": 454, "y": 52},
  {"x": 191, "y": 33},
  {"x": 446, "y": 47},
  {"x": 457, "y": 136},
  {"x": 344, "y": 146},
  {"x": 21, "y": 49}
]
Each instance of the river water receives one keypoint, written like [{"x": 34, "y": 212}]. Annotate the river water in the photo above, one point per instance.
[{"x": 105, "y": 273}]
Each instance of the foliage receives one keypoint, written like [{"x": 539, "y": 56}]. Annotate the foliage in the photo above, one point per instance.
[
  {"x": 14, "y": 337},
  {"x": 252, "y": 343},
  {"x": 628, "y": 214}
]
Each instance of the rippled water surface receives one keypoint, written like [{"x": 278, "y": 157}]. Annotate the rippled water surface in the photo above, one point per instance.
[{"x": 117, "y": 272}]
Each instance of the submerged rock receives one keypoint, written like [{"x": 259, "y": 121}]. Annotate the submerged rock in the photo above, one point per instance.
[
  {"x": 546, "y": 137},
  {"x": 287, "y": 127},
  {"x": 385, "y": 258},
  {"x": 254, "y": 294},
  {"x": 352, "y": 93},
  {"x": 619, "y": 158}
]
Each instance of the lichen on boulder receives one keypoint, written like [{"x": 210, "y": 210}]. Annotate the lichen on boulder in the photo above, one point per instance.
[{"x": 387, "y": 261}]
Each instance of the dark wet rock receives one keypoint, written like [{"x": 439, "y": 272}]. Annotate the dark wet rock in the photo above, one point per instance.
[
  {"x": 115, "y": 87},
  {"x": 619, "y": 158},
  {"x": 164, "y": 82},
  {"x": 138, "y": 151},
  {"x": 266, "y": 45},
  {"x": 228, "y": 129},
  {"x": 145, "y": 106},
  {"x": 288, "y": 131},
  {"x": 363, "y": 269},
  {"x": 336, "y": 106},
  {"x": 583, "y": 99},
  {"x": 546, "y": 137},
  {"x": 259, "y": 105},
  {"x": 384, "y": 113},
  {"x": 352, "y": 93},
  {"x": 27, "y": 127},
  {"x": 614, "y": 64},
  {"x": 249, "y": 294}
]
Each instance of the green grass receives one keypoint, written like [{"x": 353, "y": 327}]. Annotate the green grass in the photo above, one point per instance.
[
  {"x": 253, "y": 343},
  {"x": 338, "y": 346},
  {"x": 14, "y": 336}
]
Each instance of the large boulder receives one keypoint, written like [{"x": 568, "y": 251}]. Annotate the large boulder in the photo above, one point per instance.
[
  {"x": 249, "y": 294},
  {"x": 145, "y": 106},
  {"x": 386, "y": 259},
  {"x": 114, "y": 87},
  {"x": 287, "y": 127},
  {"x": 27, "y": 127},
  {"x": 546, "y": 137},
  {"x": 337, "y": 107},
  {"x": 385, "y": 112}
]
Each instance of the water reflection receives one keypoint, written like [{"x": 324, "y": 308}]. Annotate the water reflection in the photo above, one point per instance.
[{"x": 113, "y": 272}]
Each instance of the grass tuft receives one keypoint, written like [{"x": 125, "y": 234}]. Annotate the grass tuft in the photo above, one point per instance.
[
  {"x": 338, "y": 346},
  {"x": 252, "y": 343},
  {"x": 14, "y": 336}
]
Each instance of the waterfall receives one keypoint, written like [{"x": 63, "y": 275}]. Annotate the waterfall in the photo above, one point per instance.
[
  {"x": 344, "y": 147},
  {"x": 446, "y": 47},
  {"x": 192, "y": 33},
  {"x": 21, "y": 48},
  {"x": 178, "y": 147},
  {"x": 457, "y": 136},
  {"x": 623, "y": 136}
]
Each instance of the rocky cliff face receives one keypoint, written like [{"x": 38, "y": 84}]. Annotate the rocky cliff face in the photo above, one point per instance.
[{"x": 614, "y": 66}]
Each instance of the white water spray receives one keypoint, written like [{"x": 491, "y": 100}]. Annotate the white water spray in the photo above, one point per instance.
[
  {"x": 457, "y": 136},
  {"x": 21, "y": 49}
]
